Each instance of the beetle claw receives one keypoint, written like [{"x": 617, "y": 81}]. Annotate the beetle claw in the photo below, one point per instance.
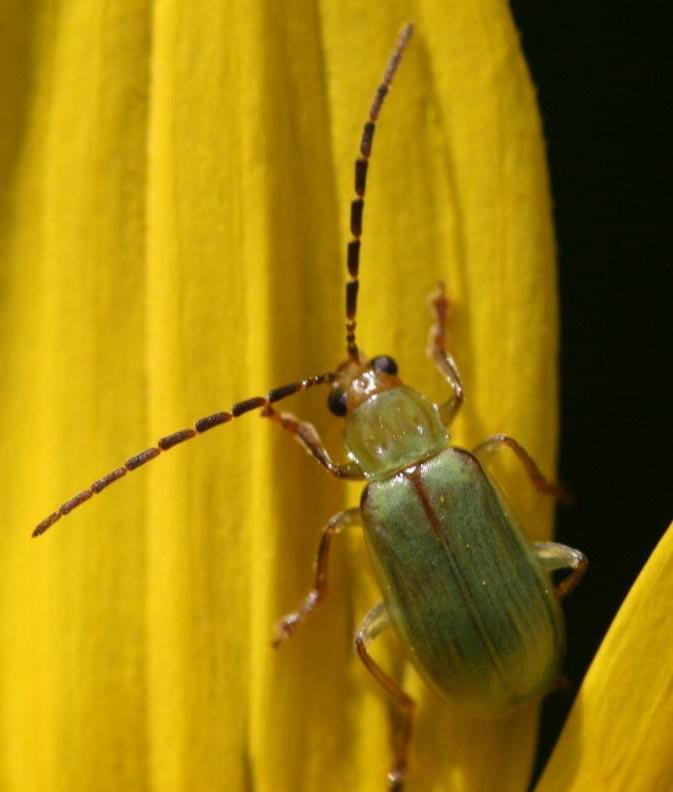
[{"x": 396, "y": 779}]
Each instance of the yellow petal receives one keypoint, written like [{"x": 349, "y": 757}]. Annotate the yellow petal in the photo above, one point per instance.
[
  {"x": 175, "y": 182},
  {"x": 618, "y": 735}
]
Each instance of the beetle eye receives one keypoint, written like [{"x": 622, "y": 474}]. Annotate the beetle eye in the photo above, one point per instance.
[
  {"x": 336, "y": 401},
  {"x": 385, "y": 364}
]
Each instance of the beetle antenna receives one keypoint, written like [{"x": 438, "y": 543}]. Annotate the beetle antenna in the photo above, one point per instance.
[
  {"x": 357, "y": 205},
  {"x": 175, "y": 438}
]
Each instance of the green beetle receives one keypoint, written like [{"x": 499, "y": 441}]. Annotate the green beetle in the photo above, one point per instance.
[{"x": 469, "y": 597}]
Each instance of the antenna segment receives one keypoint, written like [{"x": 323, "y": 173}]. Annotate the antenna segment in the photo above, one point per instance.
[{"x": 358, "y": 203}]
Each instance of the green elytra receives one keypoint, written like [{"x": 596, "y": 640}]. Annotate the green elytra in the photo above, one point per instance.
[
  {"x": 470, "y": 598},
  {"x": 476, "y": 611}
]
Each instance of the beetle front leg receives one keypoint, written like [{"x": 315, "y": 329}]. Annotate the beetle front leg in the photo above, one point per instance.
[
  {"x": 535, "y": 475},
  {"x": 442, "y": 357},
  {"x": 308, "y": 437},
  {"x": 376, "y": 621},
  {"x": 553, "y": 556},
  {"x": 289, "y": 623}
]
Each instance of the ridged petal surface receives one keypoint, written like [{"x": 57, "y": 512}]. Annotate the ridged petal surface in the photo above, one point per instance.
[
  {"x": 618, "y": 734},
  {"x": 174, "y": 184}
]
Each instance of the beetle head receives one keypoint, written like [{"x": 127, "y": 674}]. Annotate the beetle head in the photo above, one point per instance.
[{"x": 356, "y": 380}]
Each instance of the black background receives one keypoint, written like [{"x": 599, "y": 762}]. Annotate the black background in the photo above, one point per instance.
[{"x": 603, "y": 71}]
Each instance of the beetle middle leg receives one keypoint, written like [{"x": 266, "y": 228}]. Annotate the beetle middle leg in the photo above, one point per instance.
[
  {"x": 553, "y": 556},
  {"x": 375, "y": 622},
  {"x": 442, "y": 357},
  {"x": 308, "y": 437},
  {"x": 289, "y": 623},
  {"x": 537, "y": 479}
]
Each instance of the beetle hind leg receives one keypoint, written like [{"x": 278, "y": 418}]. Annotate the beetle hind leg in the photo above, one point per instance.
[
  {"x": 376, "y": 621},
  {"x": 553, "y": 556}
]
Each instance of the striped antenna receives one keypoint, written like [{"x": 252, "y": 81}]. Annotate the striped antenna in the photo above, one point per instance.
[
  {"x": 175, "y": 438},
  {"x": 358, "y": 203}
]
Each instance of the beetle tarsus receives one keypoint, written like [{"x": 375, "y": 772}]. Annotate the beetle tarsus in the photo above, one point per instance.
[
  {"x": 396, "y": 779},
  {"x": 285, "y": 629}
]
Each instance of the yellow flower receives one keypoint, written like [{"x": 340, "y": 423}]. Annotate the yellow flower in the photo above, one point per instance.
[
  {"x": 618, "y": 734},
  {"x": 175, "y": 179}
]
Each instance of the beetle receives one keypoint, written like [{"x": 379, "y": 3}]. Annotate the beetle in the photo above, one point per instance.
[{"x": 471, "y": 599}]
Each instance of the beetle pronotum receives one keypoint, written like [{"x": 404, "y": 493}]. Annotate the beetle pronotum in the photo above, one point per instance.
[{"x": 471, "y": 599}]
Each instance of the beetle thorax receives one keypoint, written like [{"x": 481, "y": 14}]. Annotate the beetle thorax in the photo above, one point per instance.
[{"x": 392, "y": 430}]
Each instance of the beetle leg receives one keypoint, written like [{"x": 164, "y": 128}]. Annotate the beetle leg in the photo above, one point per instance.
[
  {"x": 376, "y": 621},
  {"x": 553, "y": 555},
  {"x": 289, "y": 623},
  {"x": 307, "y": 436},
  {"x": 535, "y": 475},
  {"x": 442, "y": 357}
]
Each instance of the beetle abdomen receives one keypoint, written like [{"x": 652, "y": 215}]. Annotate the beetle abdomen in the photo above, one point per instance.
[{"x": 462, "y": 585}]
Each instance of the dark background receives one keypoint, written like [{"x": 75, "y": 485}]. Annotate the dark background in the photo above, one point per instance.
[{"x": 603, "y": 72}]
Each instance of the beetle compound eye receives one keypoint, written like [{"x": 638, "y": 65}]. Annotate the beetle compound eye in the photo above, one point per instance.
[
  {"x": 384, "y": 363},
  {"x": 336, "y": 401}
]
